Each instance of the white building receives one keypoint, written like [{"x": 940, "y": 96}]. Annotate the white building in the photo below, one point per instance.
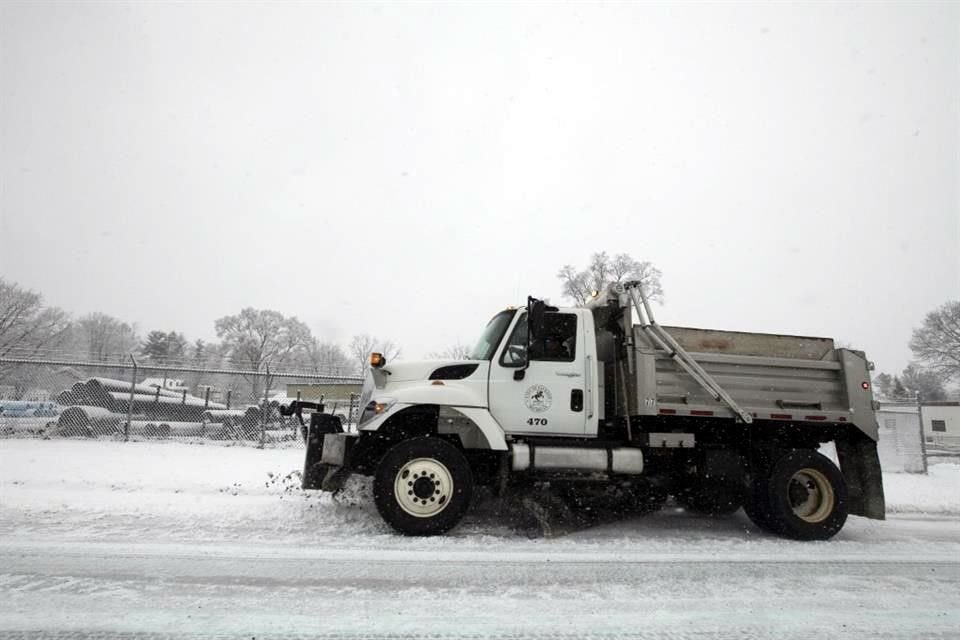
[
  {"x": 900, "y": 445},
  {"x": 941, "y": 423}
]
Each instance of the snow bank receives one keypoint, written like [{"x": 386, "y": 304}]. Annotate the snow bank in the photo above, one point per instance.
[{"x": 938, "y": 492}]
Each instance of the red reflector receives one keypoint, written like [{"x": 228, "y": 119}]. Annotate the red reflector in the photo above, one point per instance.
[
  {"x": 668, "y": 412},
  {"x": 701, "y": 413},
  {"x": 865, "y": 385},
  {"x": 781, "y": 416},
  {"x": 815, "y": 417},
  {"x": 842, "y": 419}
]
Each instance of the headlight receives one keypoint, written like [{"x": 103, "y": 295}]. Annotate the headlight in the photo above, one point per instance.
[{"x": 376, "y": 407}]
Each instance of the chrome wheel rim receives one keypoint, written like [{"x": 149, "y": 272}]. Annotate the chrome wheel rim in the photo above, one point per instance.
[
  {"x": 423, "y": 487},
  {"x": 811, "y": 495}
]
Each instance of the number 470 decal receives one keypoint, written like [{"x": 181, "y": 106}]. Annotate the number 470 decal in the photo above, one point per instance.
[{"x": 537, "y": 421}]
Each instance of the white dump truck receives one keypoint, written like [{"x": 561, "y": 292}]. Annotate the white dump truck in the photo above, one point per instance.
[{"x": 601, "y": 403}]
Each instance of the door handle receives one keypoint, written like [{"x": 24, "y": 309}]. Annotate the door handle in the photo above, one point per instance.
[
  {"x": 589, "y": 385},
  {"x": 576, "y": 400}
]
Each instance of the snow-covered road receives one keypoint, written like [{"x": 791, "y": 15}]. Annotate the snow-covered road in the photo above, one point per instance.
[{"x": 150, "y": 540}]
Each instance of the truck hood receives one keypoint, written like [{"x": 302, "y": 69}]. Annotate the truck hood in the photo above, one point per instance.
[{"x": 421, "y": 370}]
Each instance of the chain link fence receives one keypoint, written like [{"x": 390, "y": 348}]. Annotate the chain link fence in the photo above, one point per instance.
[{"x": 129, "y": 400}]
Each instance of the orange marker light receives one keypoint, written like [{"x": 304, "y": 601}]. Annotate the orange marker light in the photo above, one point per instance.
[{"x": 377, "y": 360}]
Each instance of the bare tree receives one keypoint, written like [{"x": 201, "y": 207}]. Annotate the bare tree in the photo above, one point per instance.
[
  {"x": 27, "y": 327},
  {"x": 936, "y": 343},
  {"x": 361, "y": 346},
  {"x": 457, "y": 351},
  {"x": 604, "y": 270},
  {"x": 261, "y": 339},
  {"x": 106, "y": 338},
  {"x": 327, "y": 358}
]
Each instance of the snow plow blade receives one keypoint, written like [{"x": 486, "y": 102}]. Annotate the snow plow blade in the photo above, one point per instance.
[{"x": 315, "y": 471}]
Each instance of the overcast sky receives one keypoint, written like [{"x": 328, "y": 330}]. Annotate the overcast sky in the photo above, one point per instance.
[{"x": 406, "y": 170}]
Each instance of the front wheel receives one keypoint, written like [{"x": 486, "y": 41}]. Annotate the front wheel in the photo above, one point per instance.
[
  {"x": 804, "y": 497},
  {"x": 423, "y": 486}
]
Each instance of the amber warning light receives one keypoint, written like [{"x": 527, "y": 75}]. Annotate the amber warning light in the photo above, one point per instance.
[{"x": 377, "y": 360}]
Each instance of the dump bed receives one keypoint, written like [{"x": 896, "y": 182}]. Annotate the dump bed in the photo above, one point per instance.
[{"x": 771, "y": 376}]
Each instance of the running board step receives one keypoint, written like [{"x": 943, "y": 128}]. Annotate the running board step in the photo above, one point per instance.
[{"x": 623, "y": 460}]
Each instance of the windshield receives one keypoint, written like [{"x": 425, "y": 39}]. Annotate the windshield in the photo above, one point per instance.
[{"x": 491, "y": 336}]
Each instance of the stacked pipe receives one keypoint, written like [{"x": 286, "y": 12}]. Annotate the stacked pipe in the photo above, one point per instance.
[{"x": 99, "y": 405}]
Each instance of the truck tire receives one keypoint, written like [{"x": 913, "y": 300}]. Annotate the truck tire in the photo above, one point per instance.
[
  {"x": 804, "y": 497},
  {"x": 423, "y": 486},
  {"x": 755, "y": 505}
]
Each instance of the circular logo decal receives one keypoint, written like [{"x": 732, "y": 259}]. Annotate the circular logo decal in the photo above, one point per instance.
[{"x": 538, "y": 398}]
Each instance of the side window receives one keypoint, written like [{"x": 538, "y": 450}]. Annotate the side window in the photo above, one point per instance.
[
  {"x": 559, "y": 340},
  {"x": 557, "y": 344},
  {"x": 515, "y": 353}
]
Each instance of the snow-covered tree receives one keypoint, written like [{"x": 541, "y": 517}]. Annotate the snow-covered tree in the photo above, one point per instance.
[
  {"x": 912, "y": 381},
  {"x": 883, "y": 386},
  {"x": 926, "y": 382},
  {"x": 260, "y": 340},
  {"x": 164, "y": 347}
]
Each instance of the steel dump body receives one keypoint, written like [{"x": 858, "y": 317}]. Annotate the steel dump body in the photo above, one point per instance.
[{"x": 773, "y": 377}]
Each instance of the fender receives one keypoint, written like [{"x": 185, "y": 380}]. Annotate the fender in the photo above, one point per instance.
[{"x": 489, "y": 428}]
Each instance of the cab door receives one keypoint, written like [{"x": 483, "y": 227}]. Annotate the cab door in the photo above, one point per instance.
[{"x": 548, "y": 395}]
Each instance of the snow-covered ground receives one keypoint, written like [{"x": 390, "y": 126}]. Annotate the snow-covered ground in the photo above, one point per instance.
[{"x": 147, "y": 539}]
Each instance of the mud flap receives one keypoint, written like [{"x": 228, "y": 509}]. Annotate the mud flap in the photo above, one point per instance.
[{"x": 860, "y": 465}]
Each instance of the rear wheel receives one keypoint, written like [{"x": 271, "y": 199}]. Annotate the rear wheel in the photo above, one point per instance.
[
  {"x": 423, "y": 486},
  {"x": 804, "y": 497}
]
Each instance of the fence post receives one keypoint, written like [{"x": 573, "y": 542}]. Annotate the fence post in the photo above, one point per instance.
[
  {"x": 133, "y": 383},
  {"x": 206, "y": 399},
  {"x": 353, "y": 415},
  {"x": 295, "y": 425},
  {"x": 229, "y": 394},
  {"x": 266, "y": 408},
  {"x": 923, "y": 441}
]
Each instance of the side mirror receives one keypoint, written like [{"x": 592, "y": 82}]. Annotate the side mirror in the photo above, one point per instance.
[{"x": 536, "y": 309}]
